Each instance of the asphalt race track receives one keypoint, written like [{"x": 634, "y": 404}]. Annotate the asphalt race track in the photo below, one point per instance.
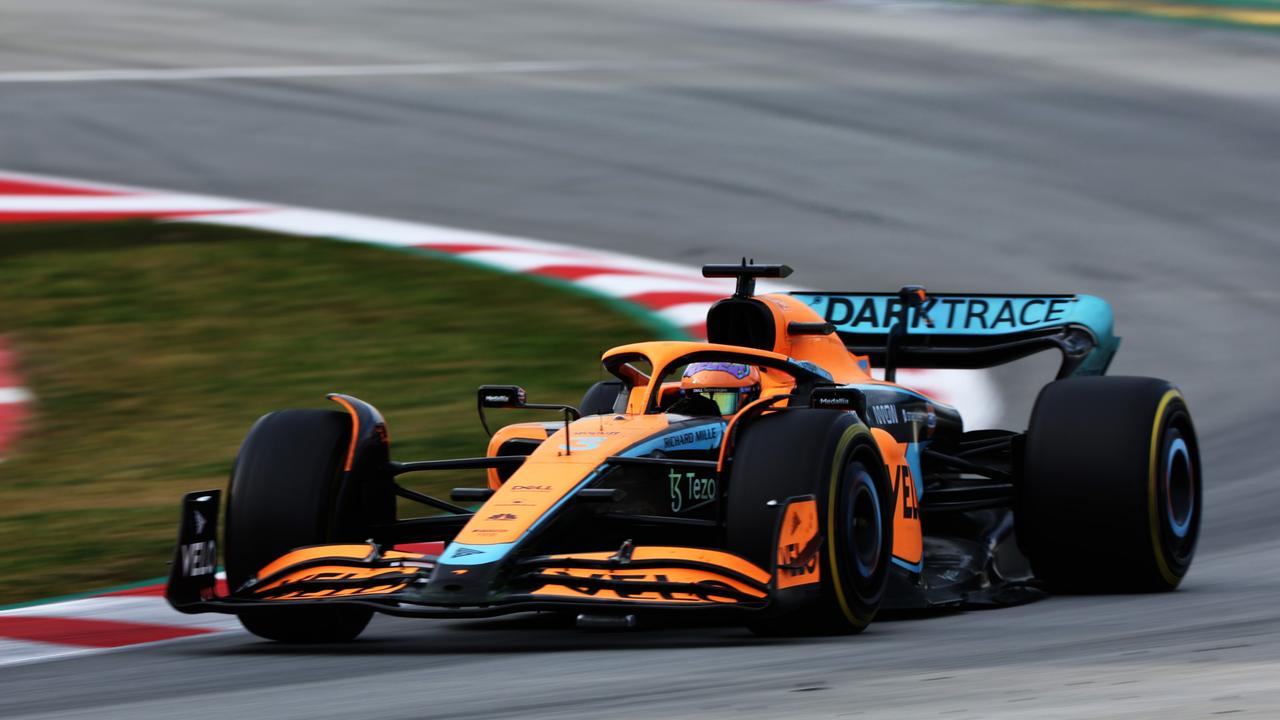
[{"x": 866, "y": 145}]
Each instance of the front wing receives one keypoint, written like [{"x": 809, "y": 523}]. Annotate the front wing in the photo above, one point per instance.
[{"x": 403, "y": 580}]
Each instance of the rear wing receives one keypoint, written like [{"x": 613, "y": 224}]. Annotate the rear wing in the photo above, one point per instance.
[{"x": 972, "y": 330}]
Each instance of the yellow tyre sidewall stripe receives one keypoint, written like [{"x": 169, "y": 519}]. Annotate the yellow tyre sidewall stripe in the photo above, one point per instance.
[
  {"x": 1157, "y": 546},
  {"x": 833, "y": 491}
]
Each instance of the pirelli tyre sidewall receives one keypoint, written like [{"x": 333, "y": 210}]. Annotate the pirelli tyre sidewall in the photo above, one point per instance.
[
  {"x": 282, "y": 496},
  {"x": 831, "y": 456},
  {"x": 859, "y": 531},
  {"x": 1111, "y": 493}
]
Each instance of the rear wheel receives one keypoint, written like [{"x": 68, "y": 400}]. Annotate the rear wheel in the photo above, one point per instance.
[
  {"x": 283, "y": 496},
  {"x": 1111, "y": 498},
  {"x": 831, "y": 456}
]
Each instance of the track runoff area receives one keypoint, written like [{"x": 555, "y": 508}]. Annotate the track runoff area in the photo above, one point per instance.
[{"x": 123, "y": 617}]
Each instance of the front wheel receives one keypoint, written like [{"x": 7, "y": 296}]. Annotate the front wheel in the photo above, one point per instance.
[
  {"x": 283, "y": 495},
  {"x": 830, "y": 456}
]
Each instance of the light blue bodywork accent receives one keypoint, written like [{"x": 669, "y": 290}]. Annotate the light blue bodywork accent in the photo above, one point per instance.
[
  {"x": 913, "y": 567},
  {"x": 989, "y": 316},
  {"x": 811, "y": 367},
  {"x": 913, "y": 462},
  {"x": 494, "y": 553},
  {"x": 483, "y": 554},
  {"x": 702, "y": 439}
]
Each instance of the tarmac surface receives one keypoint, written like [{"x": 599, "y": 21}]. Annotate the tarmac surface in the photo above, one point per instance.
[{"x": 865, "y": 144}]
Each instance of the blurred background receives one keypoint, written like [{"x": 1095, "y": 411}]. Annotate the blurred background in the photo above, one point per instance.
[{"x": 1123, "y": 148}]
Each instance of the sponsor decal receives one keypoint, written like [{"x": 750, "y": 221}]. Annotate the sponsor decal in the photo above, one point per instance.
[
  {"x": 465, "y": 552},
  {"x": 885, "y": 414},
  {"x": 904, "y": 487},
  {"x": 199, "y": 558},
  {"x": 200, "y": 521},
  {"x": 794, "y": 563},
  {"x": 707, "y": 433},
  {"x": 842, "y": 401},
  {"x": 798, "y": 545},
  {"x": 503, "y": 397},
  {"x": 879, "y": 313},
  {"x": 531, "y": 488},
  {"x": 281, "y": 590},
  {"x": 707, "y": 587},
  {"x": 688, "y": 491},
  {"x": 926, "y": 418},
  {"x": 501, "y": 516},
  {"x": 579, "y": 443}
]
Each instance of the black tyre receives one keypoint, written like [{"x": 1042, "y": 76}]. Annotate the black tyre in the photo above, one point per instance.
[
  {"x": 1110, "y": 498},
  {"x": 831, "y": 456},
  {"x": 282, "y": 496},
  {"x": 600, "y": 399}
]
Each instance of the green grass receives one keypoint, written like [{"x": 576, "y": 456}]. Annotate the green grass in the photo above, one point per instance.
[
  {"x": 1254, "y": 14},
  {"x": 153, "y": 347}
]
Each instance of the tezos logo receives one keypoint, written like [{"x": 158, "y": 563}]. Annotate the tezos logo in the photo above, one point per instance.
[{"x": 689, "y": 492}]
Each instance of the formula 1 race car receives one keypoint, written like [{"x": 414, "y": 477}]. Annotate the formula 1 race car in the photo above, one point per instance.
[{"x": 764, "y": 475}]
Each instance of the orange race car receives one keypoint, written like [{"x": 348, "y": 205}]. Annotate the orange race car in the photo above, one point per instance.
[{"x": 764, "y": 475}]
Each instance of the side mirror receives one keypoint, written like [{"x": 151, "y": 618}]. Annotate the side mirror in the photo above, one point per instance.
[
  {"x": 501, "y": 396},
  {"x": 513, "y": 397}
]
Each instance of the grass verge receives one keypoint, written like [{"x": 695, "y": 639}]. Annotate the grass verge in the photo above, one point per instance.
[
  {"x": 1257, "y": 14},
  {"x": 152, "y": 348}
]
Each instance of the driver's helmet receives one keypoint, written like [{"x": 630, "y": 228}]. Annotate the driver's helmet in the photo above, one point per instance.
[{"x": 729, "y": 385}]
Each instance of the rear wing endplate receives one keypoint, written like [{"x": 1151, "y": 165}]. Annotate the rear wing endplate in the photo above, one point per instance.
[{"x": 974, "y": 330}]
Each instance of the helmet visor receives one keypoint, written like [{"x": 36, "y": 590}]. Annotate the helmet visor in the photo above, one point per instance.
[{"x": 726, "y": 400}]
